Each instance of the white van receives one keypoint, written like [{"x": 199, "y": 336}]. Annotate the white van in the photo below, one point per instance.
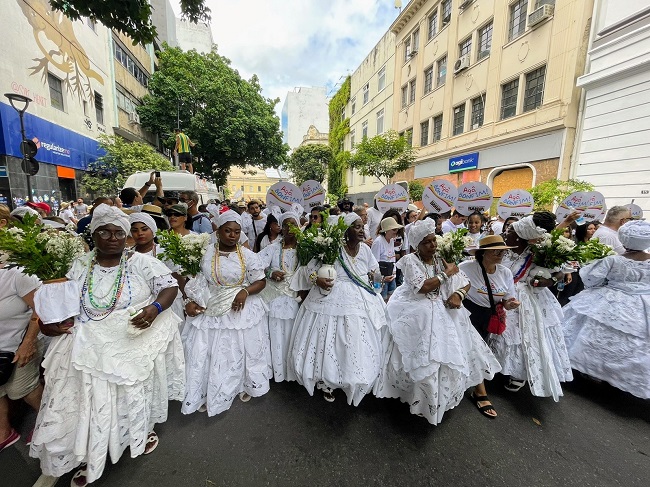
[{"x": 176, "y": 181}]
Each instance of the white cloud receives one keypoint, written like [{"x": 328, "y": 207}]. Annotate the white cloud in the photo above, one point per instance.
[{"x": 290, "y": 43}]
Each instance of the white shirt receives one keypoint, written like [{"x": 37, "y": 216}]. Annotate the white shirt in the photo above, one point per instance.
[
  {"x": 497, "y": 227},
  {"x": 14, "y": 312},
  {"x": 66, "y": 215},
  {"x": 374, "y": 219},
  {"x": 383, "y": 250},
  {"x": 502, "y": 283},
  {"x": 253, "y": 228},
  {"x": 448, "y": 226},
  {"x": 607, "y": 236}
]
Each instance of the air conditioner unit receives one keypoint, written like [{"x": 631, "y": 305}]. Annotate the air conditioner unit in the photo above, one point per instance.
[
  {"x": 462, "y": 63},
  {"x": 446, "y": 19},
  {"x": 413, "y": 53},
  {"x": 540, "y": 15},
  {"x": 134, "y": 118},
  {"x": 465, "y": 3}
]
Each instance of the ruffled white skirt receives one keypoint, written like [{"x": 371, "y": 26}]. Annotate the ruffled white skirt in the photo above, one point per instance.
[{"x": 282, "y": 315}]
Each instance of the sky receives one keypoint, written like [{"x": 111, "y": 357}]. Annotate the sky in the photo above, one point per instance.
[{"x": 292, "y": 43}]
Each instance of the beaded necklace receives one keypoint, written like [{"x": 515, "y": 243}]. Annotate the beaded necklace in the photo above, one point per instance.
[
  {"x": 216, "y": 266},
  {"x": 282, "y": 265},
  {"x": 115, "y": 290},
  {"x": 356, "y": 279}
]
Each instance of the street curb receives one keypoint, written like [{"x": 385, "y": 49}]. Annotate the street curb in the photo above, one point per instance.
[{"x": 46, "y": 481}]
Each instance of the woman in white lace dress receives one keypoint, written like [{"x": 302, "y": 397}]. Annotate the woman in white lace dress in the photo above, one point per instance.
[
  {"x": 337, "y": 337},
  {"x": 607, "y": 327},
  {"x": 435, "y": 353},
  {"x": 280, "y": 261},
  {"x": 226, "y": 338},
  {"x": 532, "y": 347},
  {"x": 109, "y": 373}
]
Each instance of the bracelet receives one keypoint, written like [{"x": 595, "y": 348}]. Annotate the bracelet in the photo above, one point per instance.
[
  {"x": 247, "y": 293},
  {"x": 460, "y": 294},
  {"x": 313, "y": 277},
  {"x": 442, "y": 277},
  {"x": 158, "y": 306},
  {"x": 187, "y": 301}
]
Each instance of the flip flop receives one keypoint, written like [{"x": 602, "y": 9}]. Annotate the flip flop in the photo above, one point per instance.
[
  {"x": 482, "y": 409},
  {"x": 80, "y": 477},
  {"x": 152, "y": 443},
  {"x": 514, "y": 385}
]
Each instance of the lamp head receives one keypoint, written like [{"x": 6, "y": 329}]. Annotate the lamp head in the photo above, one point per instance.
[{"x": 15, "y": 100}]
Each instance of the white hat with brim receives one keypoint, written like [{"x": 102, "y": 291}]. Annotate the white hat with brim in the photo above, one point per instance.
[{"x": 389, "y": 224}]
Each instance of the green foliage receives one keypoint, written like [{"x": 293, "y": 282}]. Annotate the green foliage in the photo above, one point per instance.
[
  {"x": 227, "y": 118},
  {"x": 338, "y": 130},
  {"x": 132, "y": 17},
  {"x": 336, "y": 175},
  {"x": 183, "y": 251},
  {"x": 552, "y": 192},
  {"x": 107, "y": 174},
  {"x": 592, "y": 250},
  {"x": 310, "y": 162},
  {"x": 416, "y": 188},
  {"x": 321, "y": 242},
  {"x": 383, "y": 156}
]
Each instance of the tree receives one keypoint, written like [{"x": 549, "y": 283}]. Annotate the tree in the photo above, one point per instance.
[
  {"x": 226, "y": 116},
  {"x": 383, "y": 156},
  {"x": 310, "y": 162},
  {"x": 416, "y": 188},
  {"x": 339, "y": 128},
  {"x": 132, "y": 17},
  {"x": 107, "y": 174},
  {"x": 551, "y": 193}
]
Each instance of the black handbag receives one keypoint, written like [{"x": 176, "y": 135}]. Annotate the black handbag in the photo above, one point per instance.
[
  {"x": 386, "y": 268},
  {"x": 6, "y": 366}
]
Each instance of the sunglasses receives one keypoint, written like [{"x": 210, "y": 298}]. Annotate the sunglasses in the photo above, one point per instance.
[{"x": 171, "y": 214}]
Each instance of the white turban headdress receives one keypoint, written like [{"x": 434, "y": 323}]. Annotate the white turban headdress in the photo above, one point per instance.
[
  {"x": 288, "y": 215},
  {"x": 228, "y": 216},
  {"x": 635, "y": 235},
  {"x": 350, "y": 218},
  {"x": 527, "y": 229},
  {"x": 145, "y": 218},
  {"x": 419, "y": 230},
  {"x": 107, "y": 215}
]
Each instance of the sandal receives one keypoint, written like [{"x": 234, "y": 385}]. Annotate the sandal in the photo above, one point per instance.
[
  {"x": 514, "y": 385},
  {"x": 483, "y": 409},
  {"x": 152, "y": 443},
  {"x": 328, "y": 394},
  {"x": 244, "y": 396},
  {"x": 80, "y": 477}
]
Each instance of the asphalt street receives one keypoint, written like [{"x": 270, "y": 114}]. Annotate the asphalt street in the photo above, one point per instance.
[{"x": 595, "y": 436}]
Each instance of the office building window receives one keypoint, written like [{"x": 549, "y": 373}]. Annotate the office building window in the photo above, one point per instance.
[
  {"x": 416, "y": 41},
  {"x": 459, "y": 119},
  {"x": 534, "y": 89},
  {"x": 412, "y": 91},
  {"x": 259, "y": 189},
  {"x": 446, "y": 12},
  {"x": 56, "y": 91},
  {"x": 484, "y": 41},
  {"x": 509, "y": 99},
  {"x": 92, "y": 24},
  {"x": 437, "y": 128},
  {"x": 432, "y": 26},
  {"x": 428, "y": 79},
  {"x": 380, "y": 121},
  {"x": 85, "y": 108},
  {"x": 409, "y": 137},
  {"x": 407, "y": 48},
  {"x": 99, "y": 108},
  {"x": 517, "y": 24},
  {"x": 442, "y": 71},
  {"x": 366, "y": 93},
  {"x": 381, "y": 79},
  {"x": 424, "y": 133},
  {"x": 353, "y": 134},
  {"x": 465, "y": 47},
  {"x": 131, "y": 66},
  {"x": 405, "y": 96},
  {"x": 364, "y": 129},
  {"x": 353, "y": 104},
  {"x": 478, "y": 109}
]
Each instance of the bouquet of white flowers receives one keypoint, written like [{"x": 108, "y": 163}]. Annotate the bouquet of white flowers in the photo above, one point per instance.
[
  {"x": 593, "y": 250},
  {"x": 184, "y": 251},
  {"x": 553, "y": 252},
  {"x": 452, "y": 244},
  {"x": 320, "y": 242}
]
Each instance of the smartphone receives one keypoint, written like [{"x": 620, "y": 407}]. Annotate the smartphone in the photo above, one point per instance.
[{"x": 157, "y": 174}]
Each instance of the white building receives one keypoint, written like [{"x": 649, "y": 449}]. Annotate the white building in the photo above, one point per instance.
[
  {"x": 614, "y": 141},
  {"x": 163, "y": 17},
  {"x": 196, "y": 36},
  {"x": 302, "y": 108}
]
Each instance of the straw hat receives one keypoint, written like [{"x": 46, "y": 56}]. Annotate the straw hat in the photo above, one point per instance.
[
  {"x": 152, "y": 210},
  {"x": 389, "y": 224},
  {"x": 491, "y": 242}
]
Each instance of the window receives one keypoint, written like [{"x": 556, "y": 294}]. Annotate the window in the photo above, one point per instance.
[
  {"x": 56, "y": 91},
  {"x": 509, "y": 99},
  {"x": 428, "y": 79},
  {"x": 125, "y": 101},
  {"x": 442, "y": 71},
  {"x": 405, "y": 95},
  {"x": 432, "y": 26},
  {"x": 132, "y": 67},
  {"x": 380, "y": 121},
  {"x": 381, "y": 79},
  {"x": 242, "y": 187},
  {"x": 459, "y": 119},
  {"x": 517, "y": 24},
  {"x": 250, "y": 189},
  {"x": 99, "y": 108},
  {"x": 534, "y": 89},
  {"x": 446, "y": 12},
  {"x": 465, "y": 47},
  {"x": 354, "y": 106},
  {"x": 85, "y": 107},
  {"x": 478, "y": 108},
  {"x": 484, "y": 41},
  {"x": 259, "y": 189},
  {"x": 342, "y": 114},
  {"x": 408, "y": 135},
  {"x": 366, "y": 93},
  {"x": 437, "y": 128},
  {"x": 424, "y": 133},
  {"x": 416, "y": 41},
  {"x": 407, "y": 49},
  {"x": 353, "y": 133},
  {"x": 412, "y": 91},
  {"x": 364, "y": 130}
]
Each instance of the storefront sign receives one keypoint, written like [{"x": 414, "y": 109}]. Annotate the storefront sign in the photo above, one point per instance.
[
  {"x": 463, "y": 163},
  {"x": 3, "y": 172}
]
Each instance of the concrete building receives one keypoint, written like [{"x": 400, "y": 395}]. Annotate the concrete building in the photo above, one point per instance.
[
  {"x": 314, "y": 137},
  {"x": 163, "y": 17},
  {"x": 614, "y": 136},
  {"x": 197, "y": 36},
  {"x": 486, "y": 89},
  {"x": 304, "y": 107},
  {"x": 65, "y": 68},
  {"x": 252, "y": 183},
  {"x": 370, "y": 110}
]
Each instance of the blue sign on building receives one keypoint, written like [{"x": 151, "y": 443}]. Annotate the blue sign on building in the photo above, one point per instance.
[
  {"x": 464, "y": 162},
  {"x": 3, "y": 172}
]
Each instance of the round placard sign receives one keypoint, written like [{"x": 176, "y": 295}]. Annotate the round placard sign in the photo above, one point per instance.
[
  {"x": 474, "y": 196},
  {"x": 439, "y": 196},
  {"x": 392, "y": 196},
  {"x": 636, "y": 210},
  {"x": 312, "y": 193},
  {"x": 516, "y": 202},
  {"x": 573, "y": 202},
  {"x": 594, "y": 207},
  {"x": 284, "y": 195}
]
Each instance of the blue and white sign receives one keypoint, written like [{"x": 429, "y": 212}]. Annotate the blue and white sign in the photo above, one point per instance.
[
  {"x": 464, "y": 162},
  {"x": 3, "y": 172}
]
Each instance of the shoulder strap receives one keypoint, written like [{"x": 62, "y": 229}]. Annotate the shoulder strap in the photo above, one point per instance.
[{"x": 488, "y": 286}]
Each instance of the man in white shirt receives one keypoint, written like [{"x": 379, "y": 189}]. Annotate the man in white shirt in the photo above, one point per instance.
[
  {"x": 456, "y": 222},
  {"x": 374, "y": 219},
  {"x": 607, "y": 233},
  {"x": 255, "y": 225},
  {"x": 80, "y": 209}
]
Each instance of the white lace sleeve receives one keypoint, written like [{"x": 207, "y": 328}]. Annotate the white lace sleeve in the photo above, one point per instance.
[
  {"x": 266, "y": 255},
  {"x": 413, "y": 272},
  {"x": 157, "y": 284},
  {"x": 254, "y": 266},
  {"x": 595, "y": 274},
  {"x": 300, "y": 280}
]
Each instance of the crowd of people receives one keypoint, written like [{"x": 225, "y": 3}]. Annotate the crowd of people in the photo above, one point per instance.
[{"x": 397, "y": 321}]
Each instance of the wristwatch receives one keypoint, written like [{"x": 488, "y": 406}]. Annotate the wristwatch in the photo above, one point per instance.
[{"x": 554, "y": 279}]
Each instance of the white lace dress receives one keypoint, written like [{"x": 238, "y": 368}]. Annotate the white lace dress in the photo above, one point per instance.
[
  {"x": 435, "y": 353},
  {"x": 337, "y": 338},
  {"x": 106, "y": 384},
  {"x": 607, "y": 326},
  {"x": 227, "y": 352},
  {"x": 283, "y": 306},
  {"x": 532, "y": 347}
]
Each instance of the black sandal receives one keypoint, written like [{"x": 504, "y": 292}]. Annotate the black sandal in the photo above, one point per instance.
[{"x": 482, "y": 409}]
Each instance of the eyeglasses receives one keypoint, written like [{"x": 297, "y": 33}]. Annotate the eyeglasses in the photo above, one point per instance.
[
  {"x": 184, "y": 200},
  {"x": 106, "y": 234}
]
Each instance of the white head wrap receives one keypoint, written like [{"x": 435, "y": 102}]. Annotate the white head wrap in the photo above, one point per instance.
[
  {"x": 333, "y": 219},
  {"x": 213, "y": 210},
  {"x": 350, "y": 218},
  {"x": 419, "y": 230},
  {"x": 228, "y": 216},
  {"x": 635, "y": 235},
  {"x": 107, "y": 215},
  {"x": 527, "y": 229},
  {"x": 21, "y": 211},
  {"x": 144, "y": 218},
  {"x": 287, "y": 215}
]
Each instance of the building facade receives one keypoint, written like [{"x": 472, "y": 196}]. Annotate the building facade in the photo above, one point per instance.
[
  {"x": 314, "y": 137},
  {"x": 614, "y": 136},
  {"x": 197, "y": 36},
  {"x": 252, "y": 183},
  {"x": 302, "y": 108}
]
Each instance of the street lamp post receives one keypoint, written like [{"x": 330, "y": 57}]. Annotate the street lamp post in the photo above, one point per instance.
[{"x": 15, "y": 100}]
